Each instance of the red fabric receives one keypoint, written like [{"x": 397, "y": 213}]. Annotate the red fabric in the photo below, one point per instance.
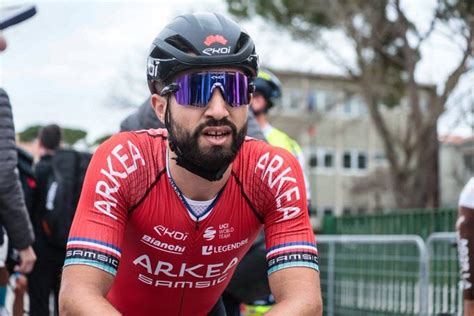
[{"x": 170, "y": 264}]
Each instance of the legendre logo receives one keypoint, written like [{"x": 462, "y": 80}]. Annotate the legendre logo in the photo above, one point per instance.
[{"x": 209, "y": 250}]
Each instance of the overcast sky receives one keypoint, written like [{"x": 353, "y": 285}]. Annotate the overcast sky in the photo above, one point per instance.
[{"x": 62, "y": 65}]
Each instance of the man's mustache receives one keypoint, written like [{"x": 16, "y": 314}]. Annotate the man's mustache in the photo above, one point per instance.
[{"x": 216, "y": 123}]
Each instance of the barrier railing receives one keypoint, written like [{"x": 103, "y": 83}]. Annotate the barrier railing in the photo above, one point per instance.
[
  {"x": 389, "y": 275},
  {"x": 422, "y": 222},
  {"x": 445, "y": 293}
]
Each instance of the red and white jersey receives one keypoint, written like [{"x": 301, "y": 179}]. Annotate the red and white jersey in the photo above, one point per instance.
[{"x": 131, "y": 223}]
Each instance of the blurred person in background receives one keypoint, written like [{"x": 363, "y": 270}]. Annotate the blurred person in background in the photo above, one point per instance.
[
  {"x": 465, "y": 239},
  {"x": 46, "y": 274},
  {"x": 249, "y": 284},
  {"x": 267, "y": 92},
  {"x": 13, "y": 213}
]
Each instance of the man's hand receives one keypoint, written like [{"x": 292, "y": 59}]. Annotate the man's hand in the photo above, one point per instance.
[{"x": 28, "y": 259}]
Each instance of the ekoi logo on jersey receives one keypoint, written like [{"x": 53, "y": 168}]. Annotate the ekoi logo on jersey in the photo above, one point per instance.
[
  {"x": 120, "y": 164},
  {"x": 166, "y": 232},
  {"x": 287, "y": 187},
  {"x": 182, "y": 275}
]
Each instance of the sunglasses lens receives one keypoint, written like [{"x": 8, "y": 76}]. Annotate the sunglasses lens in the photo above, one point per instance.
[{"x": 196, "y": 88}]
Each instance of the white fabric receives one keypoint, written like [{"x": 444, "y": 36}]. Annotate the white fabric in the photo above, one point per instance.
[
  {"x": 467, "y": 195},
  {"x": 3, "y": 250},
  {"x": 199, "y": 207}
]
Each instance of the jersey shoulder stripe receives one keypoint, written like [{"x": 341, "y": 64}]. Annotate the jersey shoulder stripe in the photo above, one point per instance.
[{"x": 88, "y": 242}]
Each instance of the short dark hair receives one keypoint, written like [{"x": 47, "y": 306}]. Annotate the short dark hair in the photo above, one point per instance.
[{"x": 50, "y": 136}]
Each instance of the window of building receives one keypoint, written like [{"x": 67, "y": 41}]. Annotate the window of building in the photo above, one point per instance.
[
  {"x": 313, "y": 160},
  {"x": 322, "y": 158},
  {"x": 361, "y": 161},
  {"x": 354, "y": 160},
  {"x": 380, "y": 157},
  {"x": 353, "y": 106},
  {"x": 328, "y": 159},
  {"x": 311, "y": 101},
  {"x": 295, "y": 99},
  {"x": 346, "y": 210},
  {"x": 327, "y": 210},
  {"x": 361, "y": 210},
  {"x": 330, "y": 101},
  {"x": 347, "y": 109},
  {"x": 469, "y": 163},
  {"x": 346, "y": 160}
]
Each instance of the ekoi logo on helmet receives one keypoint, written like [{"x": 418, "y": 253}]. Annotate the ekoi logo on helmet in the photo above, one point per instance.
[{"x": 211, "y": 39}]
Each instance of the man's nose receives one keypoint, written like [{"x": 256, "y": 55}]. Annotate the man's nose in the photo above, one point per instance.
[{"x": 217, "y": 106}]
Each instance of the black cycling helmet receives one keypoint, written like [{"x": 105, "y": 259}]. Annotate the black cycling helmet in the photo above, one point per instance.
[
  {"x": 269, "y": 86},
  {"x": 197, "y": 41},
  {"x": 200, "y": 40}
]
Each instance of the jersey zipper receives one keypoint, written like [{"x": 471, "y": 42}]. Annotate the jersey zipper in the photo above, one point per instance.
[{"x": 196, "y": 226}]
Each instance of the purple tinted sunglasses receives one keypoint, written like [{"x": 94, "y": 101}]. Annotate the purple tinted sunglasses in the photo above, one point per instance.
[{"x": 196, "y": 88}]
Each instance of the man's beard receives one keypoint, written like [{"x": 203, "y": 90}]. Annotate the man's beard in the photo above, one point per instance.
[{"x": 214, "y": 157}]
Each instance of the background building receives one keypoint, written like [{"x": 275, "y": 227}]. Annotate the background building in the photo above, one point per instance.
[{"x": 345, "y": 157}]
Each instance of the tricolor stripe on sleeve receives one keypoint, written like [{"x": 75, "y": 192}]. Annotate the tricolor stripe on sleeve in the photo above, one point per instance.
[
  {"x": 294, "y": 254},
  {"x": 94, "y": 253}
]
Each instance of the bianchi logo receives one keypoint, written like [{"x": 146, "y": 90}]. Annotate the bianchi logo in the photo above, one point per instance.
[
  {"x": 162, "y": 246},
  {"x": 209, "y": 250},
  {"x": 209, "y": 233}
]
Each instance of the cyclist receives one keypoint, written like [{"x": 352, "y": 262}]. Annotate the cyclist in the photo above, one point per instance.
[
  {"x": 166, "y": 215},
  {"x": 464, "y": 227}
]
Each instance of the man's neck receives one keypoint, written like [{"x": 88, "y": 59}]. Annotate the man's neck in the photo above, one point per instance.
[
  {"x": 193, "y": 186},
  {"x": 46, "y": 152},
  {"x": 262, "y": 120}
]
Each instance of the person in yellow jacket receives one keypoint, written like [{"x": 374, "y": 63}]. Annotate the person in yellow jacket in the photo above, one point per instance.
[
  {"x": 249, "y": 285},
  {"x": 267, "y": 91}
]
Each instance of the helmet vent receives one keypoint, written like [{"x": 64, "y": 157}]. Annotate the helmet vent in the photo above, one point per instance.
[
  {"x": 180, "y": 43},
  {"x": 243, "y": 39}
]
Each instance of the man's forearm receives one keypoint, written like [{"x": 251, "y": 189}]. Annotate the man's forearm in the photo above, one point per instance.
[
  {"x": 297, "y": 308},
  {"x": 89, "y": 305},
  {"x": 468, "y": 307}
]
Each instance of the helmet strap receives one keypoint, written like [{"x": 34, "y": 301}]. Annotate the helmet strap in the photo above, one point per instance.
[{"x": 182, "y": 161}]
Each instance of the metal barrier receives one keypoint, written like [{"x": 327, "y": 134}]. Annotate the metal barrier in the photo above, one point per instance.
[
  {"x": 422, "y": 222},
  {"x": 388, "y": 275},
  {"x": 445, "y": 292}
]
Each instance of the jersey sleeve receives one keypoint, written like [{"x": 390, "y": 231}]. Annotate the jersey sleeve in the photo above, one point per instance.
[
  {"x": 289, "y": 237},
  {"x": 114, "y": 181}
]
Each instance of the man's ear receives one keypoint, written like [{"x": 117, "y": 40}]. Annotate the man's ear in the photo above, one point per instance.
[{"x": 159, "y": 103}]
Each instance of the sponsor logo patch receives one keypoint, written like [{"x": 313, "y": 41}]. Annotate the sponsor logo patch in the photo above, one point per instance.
[
  {"x": 211, "y": 249},
  {"x": 212, "y": 39}
]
